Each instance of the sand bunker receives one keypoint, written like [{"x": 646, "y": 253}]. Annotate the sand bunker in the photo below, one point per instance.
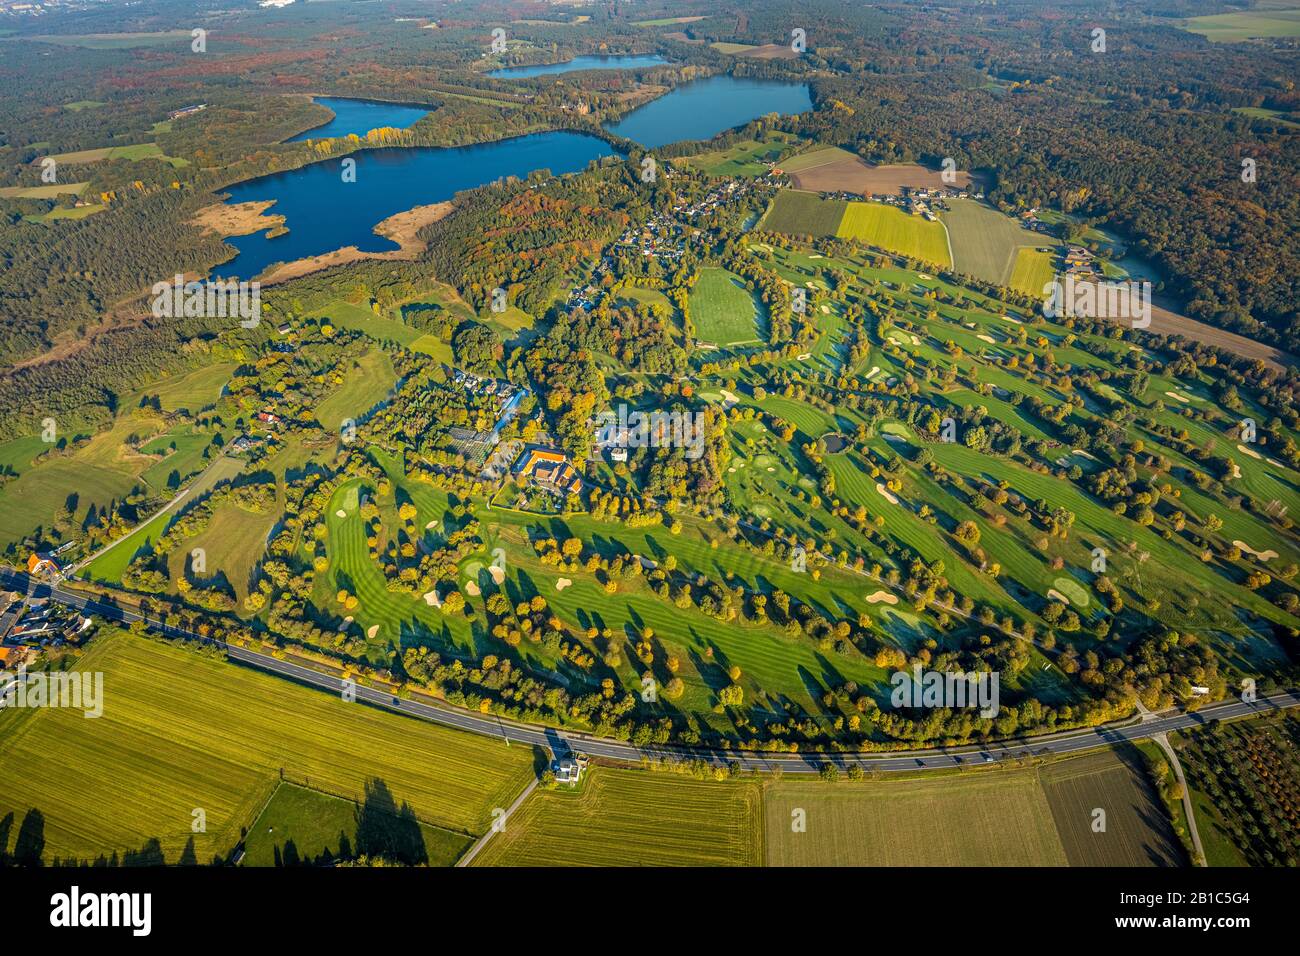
[
  {"x": 1056, "y": 595},
  {"x": 1250, "y": 451},
  {"x": 1178, "y": 398},
  {"x": 826, "y": 310},
  {"x": 731, "y": 398},
  {"x": 1007, "y": 318},
  {"x": 803, "y": 357},
  {"x": 373, "y": 630},
  {"x": 431, "y": 525},
  {"x": 887, "y": 494},
  {"x": 1268, "y": 555},
  {"x": 561, "y": 584},
  {"x": 498, "y": 574},
  {"x": 472, "y": 589},
  {"x": 882, "y": 597},
  {"x": 987, "y": 338},
  {"x": 875, "y": 370},
  {"x": 340, "y": 513},
  {"x": 431, "y": 599}
]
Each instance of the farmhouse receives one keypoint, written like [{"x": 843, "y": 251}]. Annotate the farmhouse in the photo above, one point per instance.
[{"x": 550, "y": 468}]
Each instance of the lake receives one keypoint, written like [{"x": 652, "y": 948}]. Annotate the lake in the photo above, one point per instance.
[
  {"x": 617, "y": 62},
  {"x": 323, "y": 213},
  {"x": 360, "y": 117},
  {"x": 703, "y": 108}
]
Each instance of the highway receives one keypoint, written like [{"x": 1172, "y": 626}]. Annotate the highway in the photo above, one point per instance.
[{"x": 1065, "y": 742}]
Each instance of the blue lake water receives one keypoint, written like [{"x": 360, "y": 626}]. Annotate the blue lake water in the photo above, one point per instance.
[
  {"x": 324, "y": 213},
  {"x": 703, "y": 108},
  {"x": 624, "y": 62},
  {"x": 360, "y": 117}
]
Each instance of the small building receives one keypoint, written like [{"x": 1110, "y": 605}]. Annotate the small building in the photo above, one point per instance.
[{"x": 43, "y": 566}]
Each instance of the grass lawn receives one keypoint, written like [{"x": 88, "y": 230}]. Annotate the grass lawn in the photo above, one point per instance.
[
  {"x": 803, "y": 214},
  {"x": 190, "y": 390},
  {"x": 363, "y": 386},
  {"x": 723, "y": 309},
  {"x": 303, "y": 824},
  {"x": 383, "y": 328},
  {"x": 182, "y": 731},
  {"x": 633, "y": 818},
  {"x": 110, "y": 565},
  {"x": 744, "y": 159},
  {"x": 888, "y": 227}
]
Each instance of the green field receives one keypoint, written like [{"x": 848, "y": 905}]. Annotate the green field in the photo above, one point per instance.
[
  {"x": 1031, "y": 271},
  {"x": 116, "y": 41},
  {"x": 181, "y": 732},
  {"x": 385, "y": 328},
  {"x": 986, "y": 243},
  {"x": 41, "y": 192},
  {"x": 799, "y": 213},
  {"x": 1246, "y": 24},
  {"x": 363, "y": 386},
  {"x": 891, "y": 228},
  {"x": 723, "y": 309},
  {"x": 633, "y": 818},
  {"x": 134, "y": 153},
  {"x": 111, "y": 563},
  {"x": 309, "y": 826},
  {"x": 744, "y": 159},
  {"x": 188, "y": 390}
]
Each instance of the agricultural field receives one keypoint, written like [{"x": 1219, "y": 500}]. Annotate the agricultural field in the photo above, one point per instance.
[
  {"x": 133, "y": 153},
  {"x": 987, "y": 244},
  {"x": 837, "y": 170},
  {"x": 1244, "y": 778},
  {"x": 803, "y": 214},
  {"x": 1010, "y": 816},
  {"x": 891, "y": 228},
  {"x": 634, "y": 818},
  {"x": 116, "y": 41},
  {"x": 181, "y": 731},
  {"x": 723, "y": 309},
  {"x": 1266, "y": 21},
  {"x": 1032, "y": 270},
  {"x": 42, "y": 192}
]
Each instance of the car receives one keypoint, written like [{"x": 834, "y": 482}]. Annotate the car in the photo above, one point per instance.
[{"x": 987, "y": 758}]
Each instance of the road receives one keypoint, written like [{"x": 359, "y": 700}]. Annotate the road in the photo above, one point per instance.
[{"x": 1071, "y": 741}]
